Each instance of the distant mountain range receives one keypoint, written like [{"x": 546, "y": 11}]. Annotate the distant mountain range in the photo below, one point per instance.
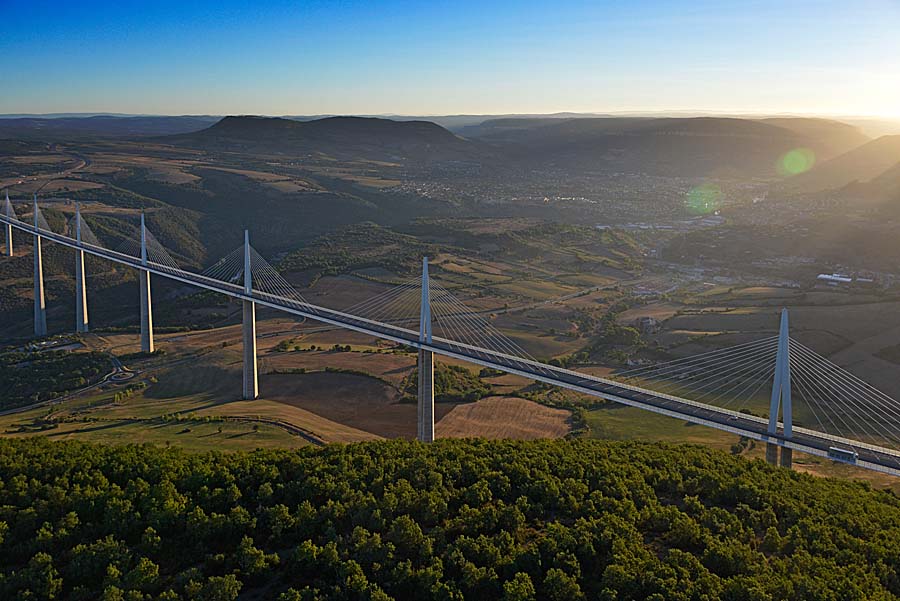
[
  {"x": 675, "y": 146},
  {"x": 699, "y": 146},
  {"x": 339, "y": 137},
  {"x": 671, "y": 146},
  {"x": 79, "y": 127}
]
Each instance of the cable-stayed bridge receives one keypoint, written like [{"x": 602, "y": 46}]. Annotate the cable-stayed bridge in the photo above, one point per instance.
[{"x": 814, "y": 405}]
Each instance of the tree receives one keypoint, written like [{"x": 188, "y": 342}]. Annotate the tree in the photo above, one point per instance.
[
  {"x": 519, "y": 588},
  {"x": 220, "y": 588},
  {"x": 559, "y": 586},
  {"x": 41, "y": 578}
]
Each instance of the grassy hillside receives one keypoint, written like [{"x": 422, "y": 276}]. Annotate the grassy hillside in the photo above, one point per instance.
[{"x": 452, "y": 520}]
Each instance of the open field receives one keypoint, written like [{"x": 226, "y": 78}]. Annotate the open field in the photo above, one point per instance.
[
  {"x": 503, "y": 417},
  {"x": 192, "y": 436}
]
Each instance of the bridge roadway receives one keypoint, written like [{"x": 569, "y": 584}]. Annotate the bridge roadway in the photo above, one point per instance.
[{"x": 872, "y": 457}]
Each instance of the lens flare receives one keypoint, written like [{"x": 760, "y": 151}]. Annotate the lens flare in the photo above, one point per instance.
[
  {"x": 704, "y": 199},
  {"x": 796, "y": 161}
]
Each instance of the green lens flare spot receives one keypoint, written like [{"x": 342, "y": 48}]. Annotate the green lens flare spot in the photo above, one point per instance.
[
  {"x": 704, "y": 199},
  {"x": 797, "y": 161}
]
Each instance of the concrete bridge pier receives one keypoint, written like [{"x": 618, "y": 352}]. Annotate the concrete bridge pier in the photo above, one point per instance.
[
  {"x": 9, "y": 242},
  {"x": 425, "y": 410},
  {"x": 781, "y": 397},
  {"x": 40, "y": 305},
  {"x": 81, "y": 313},
  {"x": 251, "y": 375},
  {"x": 147, "y": 345},
  {"x": 425, "y": 396}
]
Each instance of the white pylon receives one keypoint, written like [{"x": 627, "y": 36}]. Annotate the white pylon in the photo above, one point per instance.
[
  {"x": 781, "y": 394},
  {"x": 425, "y": 392},
  {"x": 9, "y": 215},
  {"x": 251, "y": 375},
  {"x": 40, "y": 305},
  {"x": 81, "y": 312},
  {"x": 147, "y": 345}
]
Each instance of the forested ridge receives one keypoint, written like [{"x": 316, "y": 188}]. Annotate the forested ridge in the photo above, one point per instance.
[{"x": 555, "y": 520}]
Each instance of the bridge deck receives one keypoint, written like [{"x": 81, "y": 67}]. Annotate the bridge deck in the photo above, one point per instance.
[{"x": 870, "y": 456}]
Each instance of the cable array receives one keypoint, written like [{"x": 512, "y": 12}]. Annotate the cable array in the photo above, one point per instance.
[
  {"x": 398, "y": 305},
  {"x": 842, "y": 403},
  {"x": 156, "y": 252},
  {"x": 41, "y": 221},
  {"x": 229, "y": 268},
  {"x": 461, "y": 324},
  {"x": 733, "y": 376},
  {"x": 451, "y": 319},
  {"x": 87, "y": 234},
  {"x": 266, "y": 279},
  {"x": 8, "y": 210}
]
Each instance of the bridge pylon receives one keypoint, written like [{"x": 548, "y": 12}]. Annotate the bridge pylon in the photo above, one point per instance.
[
  {"x": 781, "y": 397},
  {"x": 40, "y": 304},
  {"x": 425, "y": 396},
  {"x": 147, "y": 345},
  {"x": 251, "y": 376},
  {"x": 9, "y": 213},
  {"x": 81, "y": 312}
]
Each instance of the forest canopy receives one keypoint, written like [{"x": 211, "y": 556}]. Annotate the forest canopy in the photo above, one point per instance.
[{"x": 456, "y": 519}]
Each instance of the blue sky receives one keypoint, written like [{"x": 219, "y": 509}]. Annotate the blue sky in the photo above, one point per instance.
[{"x": 311, "y": 57}]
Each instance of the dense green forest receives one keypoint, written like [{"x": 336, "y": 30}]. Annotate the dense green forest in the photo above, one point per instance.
[
  {"x": 555, "y": 520},
  {"x": 27, "y": 377}
]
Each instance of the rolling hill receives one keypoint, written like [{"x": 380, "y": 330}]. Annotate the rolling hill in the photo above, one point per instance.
[
  {"x": 346, "y": 138},
  {"x": 861, "y": 164},
  {"x": 832, "y": 138},
  {"x": 698, "y": 146}
]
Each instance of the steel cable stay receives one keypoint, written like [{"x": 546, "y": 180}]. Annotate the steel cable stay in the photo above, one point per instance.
[
  {"x": 812, "y": 391},
  {"x": 765, "y": 378},
  {"x": 837, "y": 374},
  {"x": 724, "y": 357},
  {"x": 480, "y": 324},
  {"x": 810, "y": 405},
  {"x": 745, "y": 355},
  {"x": 475, "y": 331},
  {"x": 694, "y": 358},
  {"x": 807, "y": 388},
  {"x": 843, "y": 400},
  {"x": 750, "y": 371}
]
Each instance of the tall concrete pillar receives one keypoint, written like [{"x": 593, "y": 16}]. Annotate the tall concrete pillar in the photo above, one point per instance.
[
  {"x": 81, "y": 312},
  {"x": 425, "y": 397},
  {"x": 251, "y": 376},
  {"x": 147, "y": 345},
  {"x": 9, "y": 241},
  {"x": 40, "y": 305},
  {"x": 425, "y": 409},
  {"x": 781, "y": 396}
]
